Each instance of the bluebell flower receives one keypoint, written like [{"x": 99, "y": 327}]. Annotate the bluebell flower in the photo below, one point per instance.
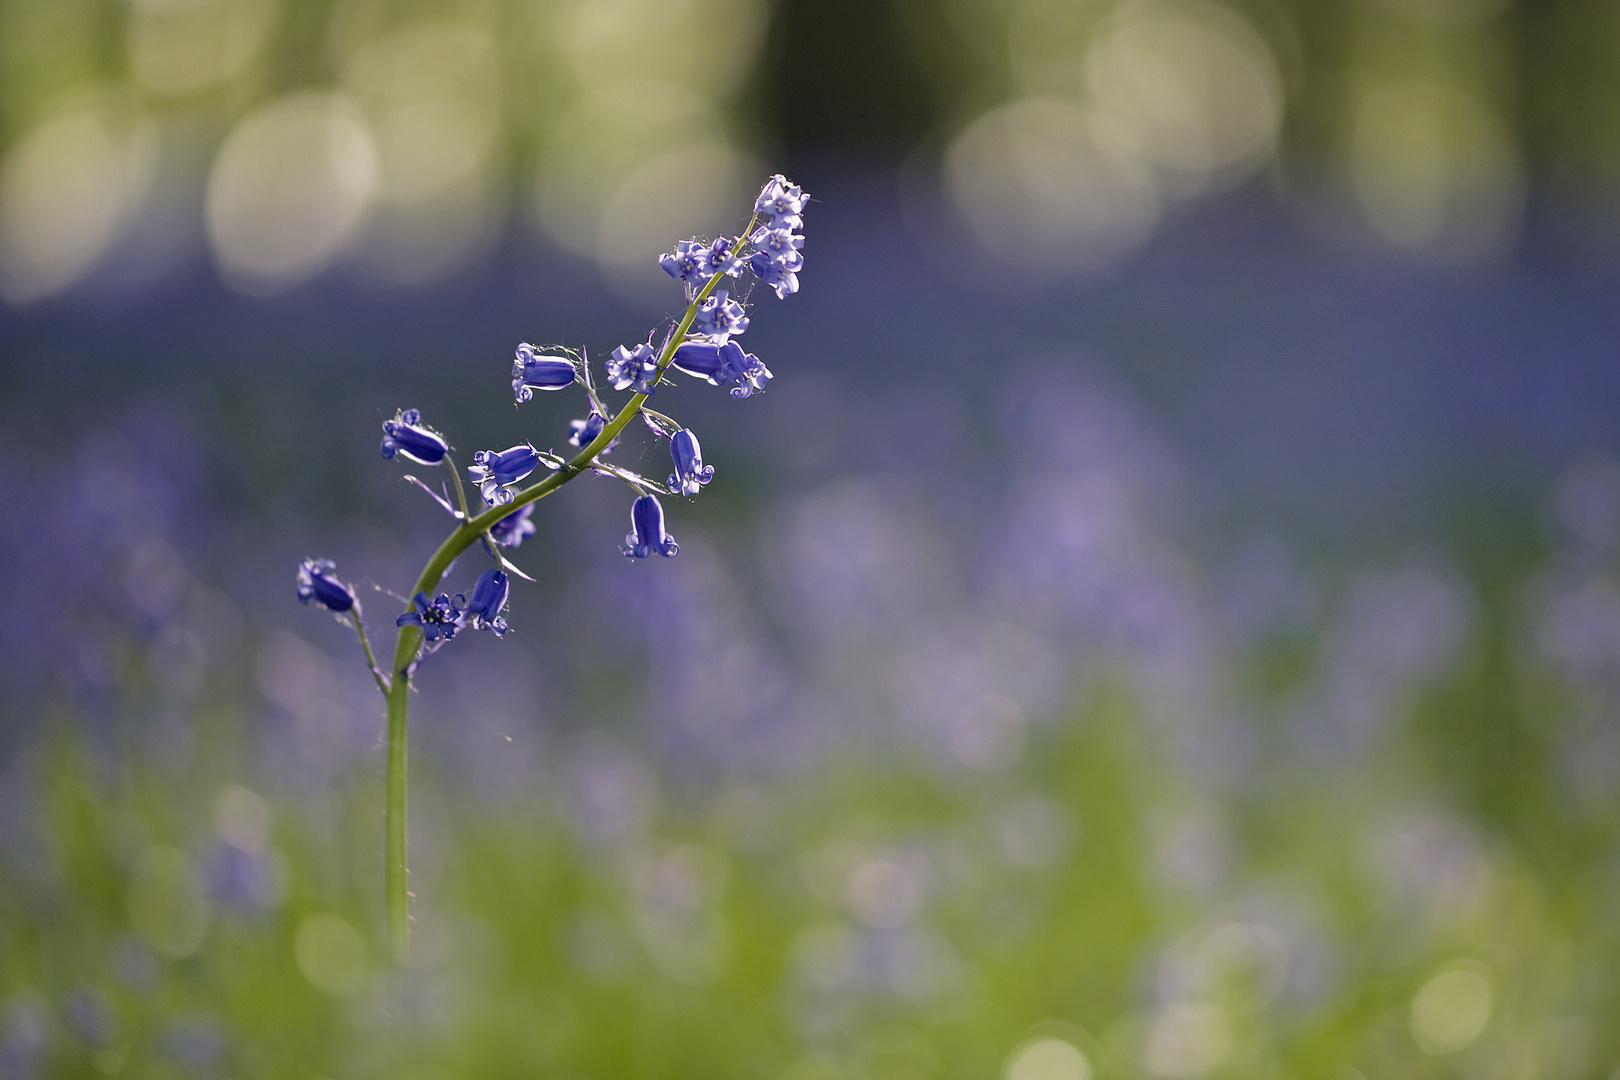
[
  {"x": 722, "y": 362},
  {"x": 438, "y": 618},
  {"x": 633, "y": 368},
  {"x": 721, "y": 260},
  {"x": 488, "y": 598},
  {"x": 703, "y": 358},
  {"x": 781, "y": 275},
  {"x": 750, "y": 376},
  {"x": 514, "y": 528},
  {"x": 647, "y": 533},
  {"x": 690, "y": 263},
  {"x": 783, "y": 201},
  {"x": 531, "y": 372},
  {"x": 780, "y": 245},
  {"x": 316, "y": 582},
  {"x": 690, "y": 473},
  {"x": 406, "y": 434},
  {"x": 583, "y": 432},
  {"x": 493, "y": 471},
  {"x": 719, "y": 316}
]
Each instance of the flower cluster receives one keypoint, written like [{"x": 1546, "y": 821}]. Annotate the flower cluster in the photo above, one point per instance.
[
  {"x": 703, "y": 344},
  {"x": 777, "y": 257},
  {"x": 441, "y": 618}
]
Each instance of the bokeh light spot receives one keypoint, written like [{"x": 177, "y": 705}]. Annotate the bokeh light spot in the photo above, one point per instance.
[
  {"x": 1190, "y": 86},
  {"x": 1434, "y": 170},
  {"x": 243, "y": 819},
  {"x": 1187, "y": 1042},
  {"x": 169, "y": 905},
  {"x": 331, "y": 953},
  {"x": 183, "y": 47},
  {"x": 1046, "y": 1059},
  {"x": 68, "y": 190},
  {"x": 289, "y": 187},
  {"x": 1043, "y": 185},
  {"x": 1451, "y": 1010}
]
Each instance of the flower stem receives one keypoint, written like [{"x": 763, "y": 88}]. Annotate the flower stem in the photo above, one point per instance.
[
  {"x": 395, "y": 880},
  {"x": 376, "y": 672},
  {"x": 395, "y": 885}
]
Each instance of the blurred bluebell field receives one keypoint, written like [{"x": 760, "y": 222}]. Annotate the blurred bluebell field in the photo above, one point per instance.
[{"x": 1161, "y": 621}]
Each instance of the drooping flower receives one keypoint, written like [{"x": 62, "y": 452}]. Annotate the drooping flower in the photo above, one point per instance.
[
  {"x": 647, "y": 533},
  {"x": 722, "y": 362},
  {"x": 316, "y": 582},
  {"x": 514, "y": 528},
  {"x": 690, "y": 473},
  {"x": 750, "y": 376},
  {"x": 701, "y": 358},
  {"x": 784, "y": 201},
  {"x": 583, "y": 432},
  {"x": 488, "y": 598},
  {"x": 438, "y": 618},
  {"x": 633, "y": 368},
  {"x": 531, "y": 372},
  {"x": 781, "y": 275},
  {"x": 719, "y": 316},
  {"x": 406, "y": 434},
  {"x": 492, "y": 471}
]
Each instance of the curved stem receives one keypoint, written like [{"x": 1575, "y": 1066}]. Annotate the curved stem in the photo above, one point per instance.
[{"x": 397, "y": 893}]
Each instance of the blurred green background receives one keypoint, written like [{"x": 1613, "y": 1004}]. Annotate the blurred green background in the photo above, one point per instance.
[{"x": 1161, "y": 622}]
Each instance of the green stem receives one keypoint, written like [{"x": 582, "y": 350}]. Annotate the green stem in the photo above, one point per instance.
[
  {"x": 396, "y": 886},
  {"x": 397, "y": 894},
  {"x": 455, "y": 478},
  {"x": 365, "y": 643}
]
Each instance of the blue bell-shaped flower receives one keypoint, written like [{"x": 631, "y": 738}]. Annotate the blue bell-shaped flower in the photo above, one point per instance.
[
  {"x": 531, "y": 372},
  {"x": 406, "y": 434},
  {"x": 488, "y": 598},
  {"x": 690, "y": 473},
  {"x": 647, "y": 533},
  {"x": 514, "y": 528},
  {"x": 492, "y": 471},
  {"x": 316, "y": 582}
]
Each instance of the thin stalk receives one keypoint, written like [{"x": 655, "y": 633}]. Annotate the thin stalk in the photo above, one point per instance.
[
  {"x": 455, "y": 478},
  {"x": 396, "y": 886},
  {"x": 371, "y": 659},
  {"x": 396, "y": 892}
]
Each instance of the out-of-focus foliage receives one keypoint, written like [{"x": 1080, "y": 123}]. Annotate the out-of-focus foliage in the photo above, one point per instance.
[
  {"x": 399, "y": 138},
  {"x": 403, "y": 140},
  {"x": 914, "y": 800}
]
